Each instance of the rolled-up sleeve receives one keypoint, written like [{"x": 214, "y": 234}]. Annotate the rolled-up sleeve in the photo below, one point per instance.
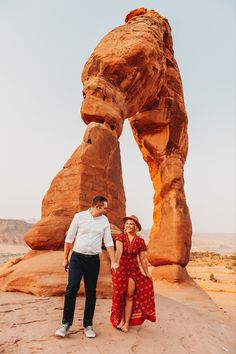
[
  {"x": 108, "y": 241},
  {"x": 72, "y": 231}
]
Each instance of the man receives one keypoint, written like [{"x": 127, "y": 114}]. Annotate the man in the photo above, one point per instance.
[{"x": 87, "y": 229}]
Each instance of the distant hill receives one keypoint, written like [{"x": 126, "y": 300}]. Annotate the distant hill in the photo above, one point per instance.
[
  {"x": 12, "y": 231},
  {"x": 31, "y": 221},
  {"x": 212, "y": 242}
]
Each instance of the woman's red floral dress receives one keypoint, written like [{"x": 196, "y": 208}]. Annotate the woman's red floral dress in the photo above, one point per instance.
[{"x": 143, "y": 302}]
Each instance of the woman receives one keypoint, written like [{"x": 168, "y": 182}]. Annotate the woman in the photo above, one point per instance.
[{"x": 133, "y": 295}]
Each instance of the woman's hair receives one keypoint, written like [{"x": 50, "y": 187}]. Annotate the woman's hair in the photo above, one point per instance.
[{"x": 98, "y": 200}]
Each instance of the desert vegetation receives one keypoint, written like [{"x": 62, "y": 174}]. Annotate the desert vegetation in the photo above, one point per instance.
[{"x": 213, "y": 271}]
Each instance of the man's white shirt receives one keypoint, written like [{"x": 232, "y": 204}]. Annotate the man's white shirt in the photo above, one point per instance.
[{"x": 88, "y": 232}]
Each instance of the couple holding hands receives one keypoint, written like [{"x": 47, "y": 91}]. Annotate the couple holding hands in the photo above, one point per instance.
[{"x": 133, "y": 295}]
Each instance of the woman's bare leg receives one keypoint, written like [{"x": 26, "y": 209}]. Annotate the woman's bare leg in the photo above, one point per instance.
[
  {"x": 122, "y": 321},
  {"x": 128, "y": 304}
]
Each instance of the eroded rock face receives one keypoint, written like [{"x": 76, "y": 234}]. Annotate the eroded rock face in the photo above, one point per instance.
[
  {"x": 133, "y": 74},
  {"x": 170, "y": 239},
  {"x": 93, "y": 169},
  {"x": 125, "y": 72},
  {"x": 41, "y": 273}
]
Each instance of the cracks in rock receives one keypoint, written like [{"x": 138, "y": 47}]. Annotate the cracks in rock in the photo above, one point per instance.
[
  {"x": 28, "y": 322},
  {"x": 134, "y": 347},
  {"x": 25, "y": 302},
  {"x": 182, "y": 344},
  {"x": 17, "y": 340},
  {"x": 58, "y": 308},
  {"x": 6, "y": 311}
]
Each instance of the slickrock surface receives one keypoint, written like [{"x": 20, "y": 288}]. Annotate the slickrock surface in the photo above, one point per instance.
[
  {"x": 188, "y": 322},
  {"x": 41, "y": 273}
]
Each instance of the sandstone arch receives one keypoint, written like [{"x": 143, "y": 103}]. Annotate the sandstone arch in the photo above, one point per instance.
[{"x": 133, "y": 74}]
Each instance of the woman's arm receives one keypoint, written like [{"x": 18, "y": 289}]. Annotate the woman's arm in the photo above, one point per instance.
[
  {"x": 119, "y": 250},
  {"x": 144, "y": 263}
]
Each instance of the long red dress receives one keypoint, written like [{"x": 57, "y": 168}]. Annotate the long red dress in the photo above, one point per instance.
[{"x": 143, "y": 302}]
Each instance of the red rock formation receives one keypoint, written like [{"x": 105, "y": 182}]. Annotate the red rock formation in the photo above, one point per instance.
[
  {"x": 136, "y": 12},
  {"x": 41, "y": 273},
  {"x": 93, "y": 169},
  {"x": 133, "y": 73}
]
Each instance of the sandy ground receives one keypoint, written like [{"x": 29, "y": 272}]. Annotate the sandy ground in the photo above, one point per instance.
[
  {"x": 213, "y": 272},
  {"x": 225, "y": 301},
  {"x": 186, "y": 324},
  {"x": 188, "y": 320}
]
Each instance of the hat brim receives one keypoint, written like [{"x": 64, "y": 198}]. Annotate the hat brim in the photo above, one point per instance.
[{"x": 136, "y": 222}]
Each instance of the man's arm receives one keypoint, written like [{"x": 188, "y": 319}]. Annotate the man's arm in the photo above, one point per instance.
[
  {"x": 119, "y": 250},
  {"x": 111, "y": 253},
  {"x": 67, "y": 248},
  {"x": 108, "y": 241},
  {"x": 70, "y": 237}
]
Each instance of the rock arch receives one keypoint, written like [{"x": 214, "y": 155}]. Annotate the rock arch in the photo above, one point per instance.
[{"x": 133, "y": 74}]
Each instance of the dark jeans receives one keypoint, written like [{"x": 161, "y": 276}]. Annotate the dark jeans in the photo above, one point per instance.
[{"x": 87, "y": 266}]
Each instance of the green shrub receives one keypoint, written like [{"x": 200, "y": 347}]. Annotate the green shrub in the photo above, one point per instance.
[{"x": 212, "y": 278}]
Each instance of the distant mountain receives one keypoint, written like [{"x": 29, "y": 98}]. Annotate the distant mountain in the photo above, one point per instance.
[
  {"x": 31, "y": 221},
  {"x": 212, "y": 242},
  {"x": 12, "y": 231}
]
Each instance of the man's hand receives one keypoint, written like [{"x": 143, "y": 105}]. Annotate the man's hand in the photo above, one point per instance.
[
  {"x": 114, "y": 266},
  {"x": 149, "y": 276},
  {"x": 65, "y": 264}
]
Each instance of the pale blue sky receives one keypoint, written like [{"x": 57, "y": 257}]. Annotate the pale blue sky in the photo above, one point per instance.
[{"x": 43, "y": 47}]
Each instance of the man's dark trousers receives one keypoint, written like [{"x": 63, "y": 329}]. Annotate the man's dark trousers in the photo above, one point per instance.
[{"x": 87, "y": 266}]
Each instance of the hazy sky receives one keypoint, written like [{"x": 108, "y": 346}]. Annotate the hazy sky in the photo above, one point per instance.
[{"x": 43, "y": 47}]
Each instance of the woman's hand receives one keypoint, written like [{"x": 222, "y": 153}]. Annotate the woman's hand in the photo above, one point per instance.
[{"x": 114, "y": 266}]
